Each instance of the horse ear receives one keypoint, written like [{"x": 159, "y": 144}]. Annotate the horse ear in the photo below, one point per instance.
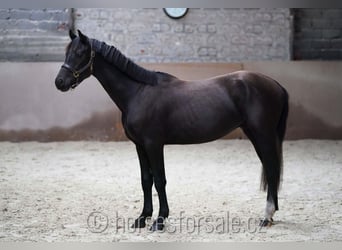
[
  {"x": 72, "y": 35},
  {"x": 83, "y": 38}
]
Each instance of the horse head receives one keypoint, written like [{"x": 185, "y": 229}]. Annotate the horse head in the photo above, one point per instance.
[{"x": 78, "y": 63}]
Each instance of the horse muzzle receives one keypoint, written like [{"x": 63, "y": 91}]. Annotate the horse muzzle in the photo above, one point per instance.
[{"x": 62, "y": 84}]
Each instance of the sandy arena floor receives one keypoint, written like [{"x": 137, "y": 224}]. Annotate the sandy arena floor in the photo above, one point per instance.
[{"x": 90, "y": 191}]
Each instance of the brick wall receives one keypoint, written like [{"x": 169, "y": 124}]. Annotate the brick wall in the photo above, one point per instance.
[
  {"x": 203, "y": 35},
  {"x": 318, "y": 34},
  {"x": 33, "y": 35}
]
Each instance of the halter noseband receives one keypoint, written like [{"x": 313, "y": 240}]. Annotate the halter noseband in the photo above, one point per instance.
[{"x": 76, "y": 73}]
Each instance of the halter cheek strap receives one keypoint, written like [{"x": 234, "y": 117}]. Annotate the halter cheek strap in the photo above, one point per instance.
[{"x": 76, "y": 73}]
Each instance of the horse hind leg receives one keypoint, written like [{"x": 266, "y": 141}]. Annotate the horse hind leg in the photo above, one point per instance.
[
  {"x": 270, "y": 209},
  {"x": 268, "y": 148}
]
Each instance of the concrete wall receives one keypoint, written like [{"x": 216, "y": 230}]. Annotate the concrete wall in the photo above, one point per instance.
[
  {"x": 33, "y": 34},
  {"x": 31, "y": 108}
]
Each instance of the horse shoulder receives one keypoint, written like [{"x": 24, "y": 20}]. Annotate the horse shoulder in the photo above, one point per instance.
[{"x": 140, "y": 113}]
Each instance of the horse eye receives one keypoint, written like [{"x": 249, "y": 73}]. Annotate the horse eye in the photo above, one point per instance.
[{"x": 79, "y": 52}]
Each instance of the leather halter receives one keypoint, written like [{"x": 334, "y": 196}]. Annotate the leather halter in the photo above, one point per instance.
[{"x": 76, "y": 73}]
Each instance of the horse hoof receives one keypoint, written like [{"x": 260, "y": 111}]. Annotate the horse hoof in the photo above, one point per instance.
[
  {"x": 157, "y": 226},
  {"x": 266, "y": 222},
  {"x": 139, "y": 223}
]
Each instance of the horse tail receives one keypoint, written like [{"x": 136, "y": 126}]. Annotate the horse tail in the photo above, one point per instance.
[
  {"x": 281, "y": 129},
  {"x": 278, "y": 165}
]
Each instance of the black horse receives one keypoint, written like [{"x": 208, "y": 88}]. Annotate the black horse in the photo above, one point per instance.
[{"x": 159, "y": 109}]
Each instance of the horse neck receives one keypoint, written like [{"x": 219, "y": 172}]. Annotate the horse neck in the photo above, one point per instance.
[{"x": 119, "y": 87}]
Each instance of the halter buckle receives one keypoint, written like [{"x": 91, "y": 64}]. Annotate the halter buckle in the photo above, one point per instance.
[{"x": 76, "y": 74}]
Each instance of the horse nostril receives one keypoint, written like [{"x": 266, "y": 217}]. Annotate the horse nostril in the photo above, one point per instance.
[{"x": 59, "y": 81}]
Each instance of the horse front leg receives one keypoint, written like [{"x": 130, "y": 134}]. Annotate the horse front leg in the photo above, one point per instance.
[
  {"x": 147, "y": 182},
  {"x": 156, "y": 158}
]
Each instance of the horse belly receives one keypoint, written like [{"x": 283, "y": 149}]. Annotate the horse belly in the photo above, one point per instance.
[{"x": 201, "y": 124}]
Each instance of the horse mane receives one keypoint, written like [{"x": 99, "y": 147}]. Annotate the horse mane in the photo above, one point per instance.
[{"x": 114, "y": 57}]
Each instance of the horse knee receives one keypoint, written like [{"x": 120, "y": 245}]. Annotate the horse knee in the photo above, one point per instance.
[
  {"x": 160, "y": 184},
  {"x": 147, "y": 182}
]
